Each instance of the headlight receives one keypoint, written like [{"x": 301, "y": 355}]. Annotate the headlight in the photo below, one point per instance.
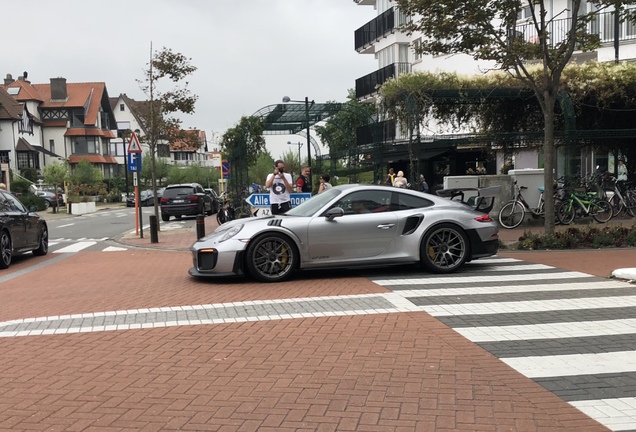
[{"x": 230, "y": 232}]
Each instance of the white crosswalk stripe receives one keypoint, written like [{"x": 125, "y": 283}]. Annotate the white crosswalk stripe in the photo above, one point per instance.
[
  {"x": 77, "y": 245},
  {"x": 573, "y": 333}
]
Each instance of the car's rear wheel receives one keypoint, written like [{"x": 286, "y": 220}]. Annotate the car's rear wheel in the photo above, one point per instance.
[
  {"x": 5, "y": 250},
  {"x": 445, "y": 248},
  {"x": 272, "y": 257},
  {"x": 165, "y": 217},
  {"x": 43, "y": 247}
]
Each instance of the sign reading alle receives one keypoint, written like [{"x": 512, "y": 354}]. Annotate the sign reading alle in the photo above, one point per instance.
[{"x": 262, "y": 199}]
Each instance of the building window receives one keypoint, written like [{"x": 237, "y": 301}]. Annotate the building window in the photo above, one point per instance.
[
  {"x": 524, "y": 13},
  {"x": 52, "y": 146},
  {"x": 78, "y": 118},
  {"x": 85, "y": 145},
  {"x": 122, "y": 107},
  {"x": 416, "y": 46}
]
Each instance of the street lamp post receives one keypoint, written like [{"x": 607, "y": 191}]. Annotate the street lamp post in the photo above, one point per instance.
[
  {"x": 300, "y": 162},
  {"x": 307, "y": 104}
]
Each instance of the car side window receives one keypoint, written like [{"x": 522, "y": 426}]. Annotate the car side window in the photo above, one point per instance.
[
  {"x": 405, "y": 201},
  {"x": 14, "y": 204},
  {"x": 367, "y": 201}
]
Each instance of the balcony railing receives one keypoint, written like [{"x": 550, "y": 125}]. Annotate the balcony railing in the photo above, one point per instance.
[
  {"x": 368, "y": 84},
  {"x": 380, "y": 26},
  {"x": 602, "y": 25},
  {"x": 376, "y": 133}
]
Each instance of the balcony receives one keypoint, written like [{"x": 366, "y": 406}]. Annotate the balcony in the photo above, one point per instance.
[
  {"x": 368, "y": 84},
  {"x": 380, "y": 26},
  {"x": 602, "y": 25},
  {"x": 376, "y": 133}
]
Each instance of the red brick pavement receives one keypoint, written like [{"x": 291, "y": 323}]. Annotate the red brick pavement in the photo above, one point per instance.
[{"x": 385, "y": 372}]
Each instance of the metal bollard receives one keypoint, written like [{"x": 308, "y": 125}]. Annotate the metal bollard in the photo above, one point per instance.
[
  {"x": 154, "y": 228},
  {"x": 200, "y": 226}
]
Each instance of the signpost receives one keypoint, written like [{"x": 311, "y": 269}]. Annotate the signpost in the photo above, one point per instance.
[
  {"x": 134, "y": 154},
  {"x": 261, "y": 200}
]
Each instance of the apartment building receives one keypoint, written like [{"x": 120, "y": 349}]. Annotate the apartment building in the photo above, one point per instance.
[{"x": 393, "y": 49}]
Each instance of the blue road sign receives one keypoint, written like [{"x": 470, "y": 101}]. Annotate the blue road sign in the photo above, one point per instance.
[
  {"x": 225, "y": 169},
  {"x": 134, "y": 162},
  {"x": 262, "y": 199}
]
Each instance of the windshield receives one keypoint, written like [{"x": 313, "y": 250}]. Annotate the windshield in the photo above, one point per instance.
[{"x": 314, "y": 204}]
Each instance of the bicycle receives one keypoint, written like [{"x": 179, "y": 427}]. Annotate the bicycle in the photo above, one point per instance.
[
  {"x": 622, "y": 199},
  {"x": 582, "y": 206},
  {"x": 513, "y": 213}
]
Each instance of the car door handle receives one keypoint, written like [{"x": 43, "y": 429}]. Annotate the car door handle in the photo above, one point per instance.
[{"x": 386, "y": 226}]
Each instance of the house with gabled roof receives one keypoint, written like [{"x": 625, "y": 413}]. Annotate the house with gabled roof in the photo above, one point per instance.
[
  {"x": 73, "y": 121},
  {"x": 190, "y": 149}
]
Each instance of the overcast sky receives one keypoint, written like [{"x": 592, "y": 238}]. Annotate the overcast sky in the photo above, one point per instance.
[{"x": 249, "y": 53}]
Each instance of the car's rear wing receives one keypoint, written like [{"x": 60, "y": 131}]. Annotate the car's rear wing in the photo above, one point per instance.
[{"x": 483, "y": 202}]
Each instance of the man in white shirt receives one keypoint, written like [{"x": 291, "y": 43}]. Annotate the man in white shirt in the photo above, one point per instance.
[{"x": 280, "y": 186}]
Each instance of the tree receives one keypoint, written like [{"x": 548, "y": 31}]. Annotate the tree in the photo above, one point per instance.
[
  {"x": 85, "y": 178},
  {"x": 162, "y": 167},
  {"x": 486, "y": 30},
  {"x": 241, "y": 146},
  {"x": 156, "y": 116},
  {"x": 56, "y": 174}
]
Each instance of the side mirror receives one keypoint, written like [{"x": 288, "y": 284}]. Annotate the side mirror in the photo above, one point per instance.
[{"x": 334, "y": 213}]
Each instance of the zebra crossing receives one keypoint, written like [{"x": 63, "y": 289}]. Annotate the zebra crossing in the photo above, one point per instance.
[
  {"x": 63, "y": 245},
  {"x": 572, "y": 333}
]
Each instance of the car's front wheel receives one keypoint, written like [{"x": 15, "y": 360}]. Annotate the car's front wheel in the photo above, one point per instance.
[
  {"x": 444, "y": 249},
  {"x": 272, "y": 257},
  {"x": 47, "y": 204},
  {"x": 5, "y": 250},
  {"x": 43, "y": 247}
]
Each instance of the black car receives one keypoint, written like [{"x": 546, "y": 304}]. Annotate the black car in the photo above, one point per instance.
[
  {"x": 187, "y": 199},
  {"x": 215, "y": 199},
  {"x": 21, "y": 230},
  {"x": 146, "y": 198},
  {"x": 50, "y": 198}
]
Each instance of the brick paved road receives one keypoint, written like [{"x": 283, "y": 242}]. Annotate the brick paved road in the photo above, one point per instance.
[{"x": 360, "y": 371}]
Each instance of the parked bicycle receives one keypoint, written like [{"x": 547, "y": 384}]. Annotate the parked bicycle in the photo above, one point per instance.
[
  {"x": 622, "y": 198},
  {"x": 583, "y": 204},
  {"x": 226, "y": 212},
  {"x": 513, "y": 213}
]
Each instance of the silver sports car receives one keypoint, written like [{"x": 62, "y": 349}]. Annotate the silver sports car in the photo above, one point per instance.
[{"x": 349, "y": 226}]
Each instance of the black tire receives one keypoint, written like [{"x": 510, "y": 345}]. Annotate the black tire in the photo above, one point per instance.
[
  {"x": 272, "y": 257},
  {"x": 220, "y": 217},
  {"x": 563, "y": 214},
  {"x": 47, "y": 204},
  {"x": 602, "y": 211},
  {"x": 43, "y": 247},
  {"x": 6, "y": 252},
  {"x": 511, "y": 214},
  {"x": 165, "y": 217},
  {"x": 617, "y": 205},
  {"x": 210, "y": 212},
  {"x": 445, "y": 248}
]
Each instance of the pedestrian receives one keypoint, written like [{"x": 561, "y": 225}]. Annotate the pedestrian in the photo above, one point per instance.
[
  {"x": 280, "y": 186},
  {"x": 390, "y": 177},
  {"x": 302, "y": 182},
  {"x": 400, "y": 181},
  {"x": 621, "y": 170},
  {"x": 3, "y": 186},
  {"x": 324, "y": 183},
  {"x": 423, "y": 185}
]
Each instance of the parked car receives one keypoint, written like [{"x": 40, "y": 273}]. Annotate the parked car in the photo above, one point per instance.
[
  {"x": 145, "y": 198},
  {"x": 350, "y": 226},
  {"x": 51, "y": 198},
  {"x": 21, "y": 230},
  {"x": 215, "y": 199},
  {"x": 187, "y": 199}
]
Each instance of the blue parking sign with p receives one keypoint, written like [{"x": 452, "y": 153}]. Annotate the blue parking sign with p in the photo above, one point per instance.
[{"x": 134, "y": 162}]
